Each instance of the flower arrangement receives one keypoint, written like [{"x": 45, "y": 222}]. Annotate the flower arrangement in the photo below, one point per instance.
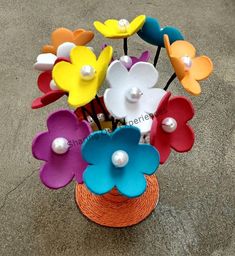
[{"x": 112, "y": 144}]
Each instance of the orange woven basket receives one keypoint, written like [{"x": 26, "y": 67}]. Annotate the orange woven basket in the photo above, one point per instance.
[{"x": 115, "y": 210}]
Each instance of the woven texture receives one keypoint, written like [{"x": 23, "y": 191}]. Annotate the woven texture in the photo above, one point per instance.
[{"x": 114, "y": 210}]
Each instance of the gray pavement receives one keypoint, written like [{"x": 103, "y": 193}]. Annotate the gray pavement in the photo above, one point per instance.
[{"x": 195, "y": 215}]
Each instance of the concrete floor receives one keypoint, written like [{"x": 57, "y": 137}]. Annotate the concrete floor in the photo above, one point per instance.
[{"x": 195, "y": 215}]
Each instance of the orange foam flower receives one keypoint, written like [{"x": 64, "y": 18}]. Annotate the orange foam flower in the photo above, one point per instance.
[
  {"x": 62, "y": 35},
  {"x": 188, "y": 68}
]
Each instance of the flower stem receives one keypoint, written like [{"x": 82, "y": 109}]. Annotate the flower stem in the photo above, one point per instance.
[
  {"x": 102, "y": 108},
  {"x": 125, "y": 46},
  {"x": 94, "y": 115},
  {"x": 170, "y": 81},
  {"x": 157, "y": 56}
]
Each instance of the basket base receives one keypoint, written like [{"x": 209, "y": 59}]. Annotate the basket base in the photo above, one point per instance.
[{"x": 115, "y": 210}]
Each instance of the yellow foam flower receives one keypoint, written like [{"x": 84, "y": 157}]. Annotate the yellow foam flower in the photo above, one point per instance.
[
  {"x": 120, "y": 28},
  {"x": 82, "y": 77}
]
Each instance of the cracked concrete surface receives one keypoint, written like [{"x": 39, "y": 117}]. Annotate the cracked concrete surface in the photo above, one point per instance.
[{"x": 195, "y": 215}]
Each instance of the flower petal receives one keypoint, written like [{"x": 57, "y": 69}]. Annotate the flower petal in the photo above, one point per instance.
[
  {"x": 45, "y": 61},
  {"x": 180, "y": 108},
  {"x": 145, "y": 56},
  {"x": 49, "y": 49},
  {"x": 136, "y": 24},
  {"x": 146, "y": 159},
  {"x": 44, "y": 80},
  {"x": 97, "y": 140},
  {"x": 112, "y": 24},
  {"x": 141, "y": 120},
  {"x": 102, "y": 63},
  {"x": 114, "y": 100},
  {"x": 82, "y": 55},
  {"x": 77, "y": 99},
  {"x": 151, "y": 99},
  {"x": 98, "y": 179},
  {"x": 55, "y": 176},
  {"x": 117, "y": 75},
  {"x": 84, "y": 37},
  {"x": 143, "y": 75},
  {"x": 131, "y": 184},
  {"x": 182, "y": 48},
  {"x": 182, "y": 139},
  {"x": 191, "y": 85},
  {"x": 103, "y": 29},
  {"x": 47, "y": 99},
  {"x": 61, "y": 35},
  {"x": 65, "y": 76},
  {"x": 201, "y": 67},
  {"x": 62, "y": 121},
  {"x": 63, "y": 50},
  {"x": 41, "y": 147},
  {"x": 126, "y": 134},
  {"x": 160, "y": 140}
]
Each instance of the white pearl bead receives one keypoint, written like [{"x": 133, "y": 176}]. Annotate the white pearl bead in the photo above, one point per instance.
[
  {"x": 134, "y": 94},
  {"x": 101, "y": 117},
  {"x": 87, "y": 72},
  {"x": 53, "y": 85},
  {"x": 90, "y": 120},
  {"x": 187, "y": 62},
  {"x": 123, "y": 25},
  {"x": 120, "y": 158},
  {"x": 126, "y": 61},
  {"x": 60, "y": 145},
  {"x": 169, "y": 124}
]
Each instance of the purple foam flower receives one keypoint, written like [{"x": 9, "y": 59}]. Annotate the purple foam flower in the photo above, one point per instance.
[
  {"x": 60, "y": 148},
  {"x": 144, "y": 57}
]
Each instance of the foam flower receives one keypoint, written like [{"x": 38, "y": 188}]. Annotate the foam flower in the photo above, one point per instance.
[
  {"x": 60, "y": 148},
  {"x": 64, "y": 35},
  {"x": 132, "y": 95},
  {"x": 188, "y": 68},
  {"x": 49, "y": 89},
  {"x": 120, "y": 28},
  {"x": 152, "y": 33},
  {"x": 118, "y": 160},
  {"x": 129, "y": 61},
  {"x": 170, "y": 127},
  {"x": 82, "y": 77}
]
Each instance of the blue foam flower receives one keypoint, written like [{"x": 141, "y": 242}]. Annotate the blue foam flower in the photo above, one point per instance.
[
  {"x": 103, "y": 174},
  {"x": 152, "y": 33}
]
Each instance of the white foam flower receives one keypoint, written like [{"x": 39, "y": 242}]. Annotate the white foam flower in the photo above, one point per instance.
[
  {"x": 46, "y": 61},
  {"x": 131, "y": 94}
]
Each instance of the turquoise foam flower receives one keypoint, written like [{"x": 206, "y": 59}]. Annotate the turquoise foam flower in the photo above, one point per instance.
[
  {"x": 152, "y": 33},
  {"x": 103, "y": 174}
]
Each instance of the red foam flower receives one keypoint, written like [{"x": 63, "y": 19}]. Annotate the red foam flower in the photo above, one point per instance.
[
  {"x": 170, "y": 128},
  {"x": 44, "y": 84}
]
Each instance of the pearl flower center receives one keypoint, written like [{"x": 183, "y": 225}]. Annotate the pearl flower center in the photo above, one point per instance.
[
  {"x": 123, "y": 25},
  {"x": 133, "y": 95},
  {"x": 187, "y": 62},
  {"x": 120, "y": 158},
  {"x": 169, "y": 124},
  {"x": 60, "y": 145},
  {"x": 87, "y": 72},
  {"x": 126, "y": 61},
  {"x": 53, "y": 85}
]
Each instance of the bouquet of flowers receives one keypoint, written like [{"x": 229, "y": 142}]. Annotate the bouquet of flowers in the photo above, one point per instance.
[{"x": 112, "y": 144}]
